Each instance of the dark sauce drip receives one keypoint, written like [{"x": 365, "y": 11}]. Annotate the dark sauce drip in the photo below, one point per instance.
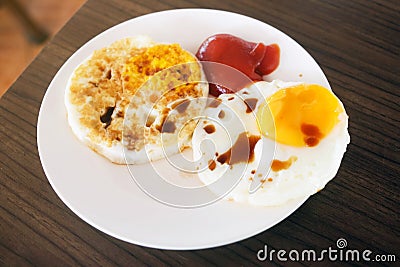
[
  {"x": 251, "y": 104},
  {"x": 209, "y": 128},
  {"x": 94, "y": 84},
  {"x": 241, "y": 151},
  {"x": 168, "y": 127},
  {"x": 217, "y": 89},
  {"x": 212, "y": 165},
  {"x": 278, "y": 165},
  {"x": 108, "y": 74},
  {"x": 221, "y": 114},
  {"x": 312, "y": 134},
  {"x": 181, "y": 106},
  {"x": 106, "y": 117},
  {"x": 311, "y": 141}
]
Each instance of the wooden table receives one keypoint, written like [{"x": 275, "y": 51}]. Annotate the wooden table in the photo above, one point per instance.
[{"x": 357, "y": 44}]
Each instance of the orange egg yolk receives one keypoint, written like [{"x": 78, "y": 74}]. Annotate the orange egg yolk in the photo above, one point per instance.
[{"x": 300, "y": 115}]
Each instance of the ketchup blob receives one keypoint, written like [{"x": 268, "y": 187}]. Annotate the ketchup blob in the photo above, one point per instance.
[{"x": 253, "y": 59}]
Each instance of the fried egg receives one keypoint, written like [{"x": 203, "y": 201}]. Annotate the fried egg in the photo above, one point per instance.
[
  {"x": 119, "y": 99},
  {"x": 271, "y": 142}
]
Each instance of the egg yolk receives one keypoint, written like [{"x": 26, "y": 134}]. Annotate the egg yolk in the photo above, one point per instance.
[
  {"x": 300, "y": 115},
  {"x": 145, "y": 65}
]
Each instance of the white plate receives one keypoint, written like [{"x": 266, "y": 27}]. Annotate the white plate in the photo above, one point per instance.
[{"x": 105, "y": 196}]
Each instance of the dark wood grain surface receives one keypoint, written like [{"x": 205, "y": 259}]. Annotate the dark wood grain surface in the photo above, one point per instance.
[{"x": 357, "y": 44}]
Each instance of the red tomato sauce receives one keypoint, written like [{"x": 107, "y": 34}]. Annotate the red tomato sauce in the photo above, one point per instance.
[{"x": 252, "y": 59}]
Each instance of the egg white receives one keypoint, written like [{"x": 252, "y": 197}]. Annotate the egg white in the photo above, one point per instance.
[
  {"x": 137, "y": 112},
  {"x": 313, "y": 169}
]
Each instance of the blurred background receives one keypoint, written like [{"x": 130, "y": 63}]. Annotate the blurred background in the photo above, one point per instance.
[{"x": 25, "y": 27}]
